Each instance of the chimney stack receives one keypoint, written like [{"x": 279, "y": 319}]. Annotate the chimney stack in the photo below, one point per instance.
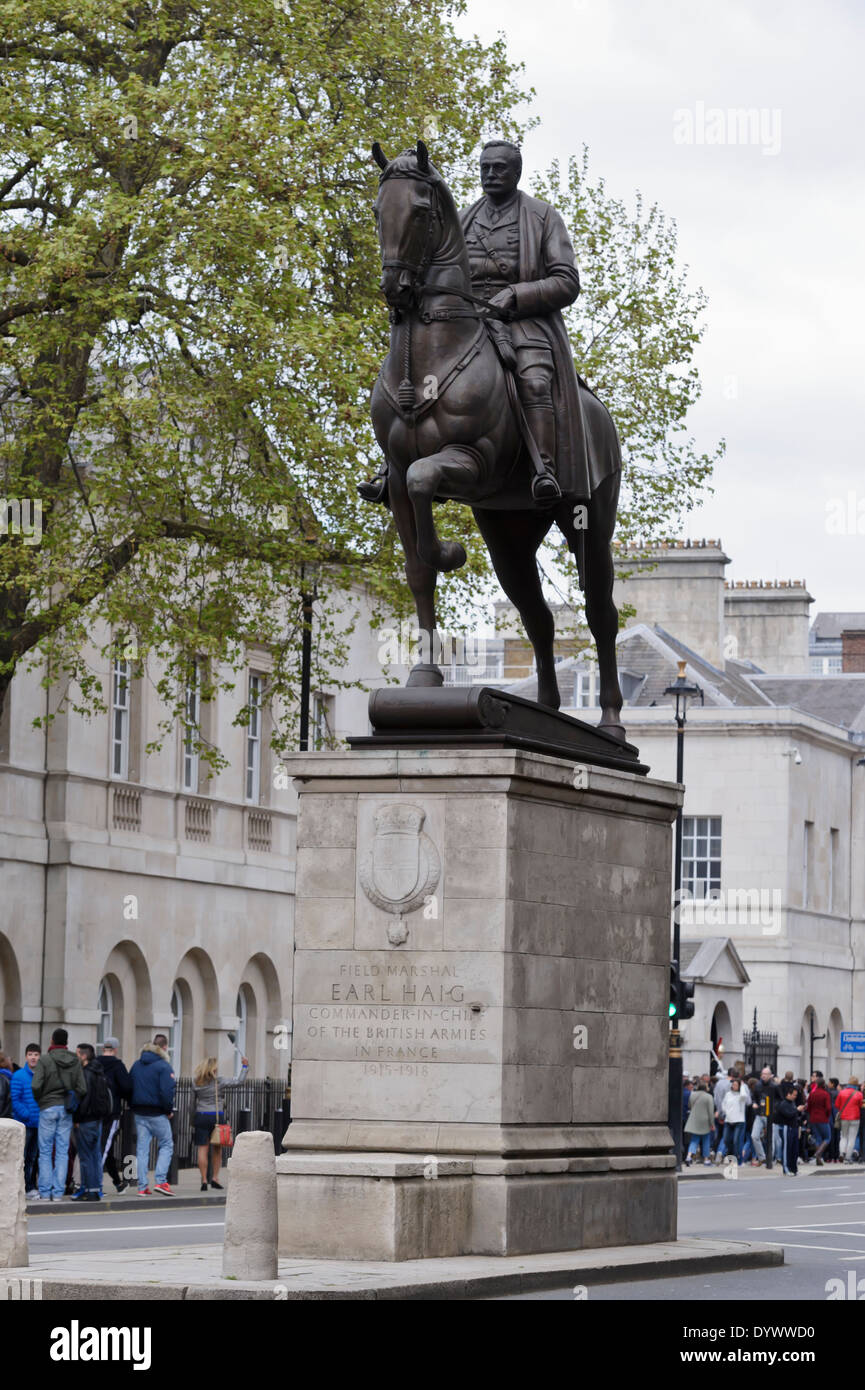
[{"x": 853, "y": 649}]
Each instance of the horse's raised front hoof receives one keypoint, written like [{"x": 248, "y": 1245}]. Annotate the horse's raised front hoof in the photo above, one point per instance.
[
  {"x": 614, "y": 728},
  {"x": 451, "y": 556}
]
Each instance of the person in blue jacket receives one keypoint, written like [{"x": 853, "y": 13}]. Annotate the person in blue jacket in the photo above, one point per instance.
[
  {"x": 25, "y": 1109},
  {"x": 152, "y": 1104}
]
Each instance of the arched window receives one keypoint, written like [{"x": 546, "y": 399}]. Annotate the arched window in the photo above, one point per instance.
[
  {"x": 242, "y": 1020},
  {"x": 105, "y": 1005},
  {"x": 175, "y": 1040}
]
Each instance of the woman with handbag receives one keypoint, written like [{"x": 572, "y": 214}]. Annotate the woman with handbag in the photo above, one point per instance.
[{"x": 209, "y": 1128}]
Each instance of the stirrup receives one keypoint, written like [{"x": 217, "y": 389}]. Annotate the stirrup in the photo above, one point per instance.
[
  {"x": 545, "y": 490},
  {"x": 374, "y": 489}
]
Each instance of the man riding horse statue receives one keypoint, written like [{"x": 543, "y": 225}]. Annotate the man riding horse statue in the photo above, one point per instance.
[{"x": 478, "y": 400}]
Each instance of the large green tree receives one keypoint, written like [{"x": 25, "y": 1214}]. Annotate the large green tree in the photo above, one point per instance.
[
  {"x": 190, "y": 314},
  {"x": 190, "y": 320}
]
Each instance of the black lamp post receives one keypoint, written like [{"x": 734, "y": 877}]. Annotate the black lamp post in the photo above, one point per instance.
[
  {"x": 681, "y": 692},
  {"x": 307, "y": 597}
]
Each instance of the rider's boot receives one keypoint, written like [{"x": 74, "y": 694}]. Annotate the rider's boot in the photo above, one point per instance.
[
  {"x": 375, "y": 489},
  {"x": 542, "y": 423}
]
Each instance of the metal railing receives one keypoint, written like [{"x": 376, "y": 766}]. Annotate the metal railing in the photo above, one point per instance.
[{"x": 257, "y": 1103}]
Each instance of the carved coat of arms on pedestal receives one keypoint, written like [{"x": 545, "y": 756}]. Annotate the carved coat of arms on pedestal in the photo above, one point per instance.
[{"x": 402, "y": 869}]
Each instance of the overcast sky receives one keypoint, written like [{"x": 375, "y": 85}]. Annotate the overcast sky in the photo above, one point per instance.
[{"x": 772, "y": 230}]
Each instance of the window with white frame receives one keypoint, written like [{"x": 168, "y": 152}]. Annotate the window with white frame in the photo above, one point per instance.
[
  {"x": 192, "y": 729},
  {"x": 807, "y": 851},
  {"x": 322, "y": 720},
  {"x": 253, "y": 738},
  {"x": 701, "y": 856},
  {"x": 105, "y": 1009},
  {"x": 834, "y": 896},
  {"x": 242, "y": 1022},
  {"x": 585, "y": 687},
  {"x": 175, "y": 1036},
  {"x": 120, "y": 691}
]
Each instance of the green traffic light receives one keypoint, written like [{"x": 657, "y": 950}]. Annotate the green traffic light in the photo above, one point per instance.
[{"x": 672, "y": 1010}]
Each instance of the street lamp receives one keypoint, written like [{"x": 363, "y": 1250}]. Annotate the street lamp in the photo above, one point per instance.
[
  {"x": 308, "y": 595},
  {"x": 681, "y": 692}
]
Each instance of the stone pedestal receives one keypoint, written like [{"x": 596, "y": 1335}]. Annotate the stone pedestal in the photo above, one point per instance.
[
  {"x": 13, "y": 1211},
  {"x": 480, "y": 1007}
]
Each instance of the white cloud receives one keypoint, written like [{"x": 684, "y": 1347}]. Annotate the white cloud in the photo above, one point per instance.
[{"x": 775, "y": 240}]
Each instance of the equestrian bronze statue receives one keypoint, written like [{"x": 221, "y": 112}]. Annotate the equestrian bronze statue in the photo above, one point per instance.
[{"x": 478, "y": 401}]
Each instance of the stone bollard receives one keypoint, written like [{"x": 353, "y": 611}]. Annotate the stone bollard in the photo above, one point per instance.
[
  {"x": 249, "y": 1251},
  {"x": 13, "y": 1212}
]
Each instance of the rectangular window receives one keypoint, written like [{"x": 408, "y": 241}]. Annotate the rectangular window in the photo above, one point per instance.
[
  {"x": 120, "y": 684},
  {"x": 701, "y": 856},
  {"x": 584, "y": 689},
  {"x": 834, "y": 895},
  {"x": 6, "y": 724},
  {"x": 322, "y": 721},
  {"x": 807, "y": 851},
  {"x": 192, "y": 729},
  {"x": 253, "y": 738}
]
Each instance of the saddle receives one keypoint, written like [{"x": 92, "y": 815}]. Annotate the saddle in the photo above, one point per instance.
[{"x": 545, "y": 488}]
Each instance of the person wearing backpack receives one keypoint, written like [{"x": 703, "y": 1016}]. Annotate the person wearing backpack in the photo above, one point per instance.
[
  {"x": 58, "y": 1086},
  {"x": 94, "y": 1108},
  {"x": 848, "y": 1104}
]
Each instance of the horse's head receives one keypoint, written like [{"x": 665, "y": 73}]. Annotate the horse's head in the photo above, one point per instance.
[{"x": 408, "y": 215}]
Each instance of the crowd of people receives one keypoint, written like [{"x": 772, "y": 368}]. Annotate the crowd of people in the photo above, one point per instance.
[
  {"x": 728, "y": 1116},
  {"x": 71, "y": 1104}
]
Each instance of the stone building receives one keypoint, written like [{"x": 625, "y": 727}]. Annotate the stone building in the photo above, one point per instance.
[
  {"x": 136, "y": 892},
  {"x": 774, "y": 813}
]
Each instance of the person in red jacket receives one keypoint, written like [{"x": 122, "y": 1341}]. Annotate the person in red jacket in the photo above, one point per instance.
[
  {"x": 819, "y": 1107},
  {"x": 848, "y": 1104}
]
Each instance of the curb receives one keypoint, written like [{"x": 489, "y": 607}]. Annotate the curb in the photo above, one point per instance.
[
  {"x": 115, "y": 1204},
  {"x": 624, "y": 1265}
]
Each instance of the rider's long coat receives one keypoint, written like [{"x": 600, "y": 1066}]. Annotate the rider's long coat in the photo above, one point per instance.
[{"x": 549, "y": 281}]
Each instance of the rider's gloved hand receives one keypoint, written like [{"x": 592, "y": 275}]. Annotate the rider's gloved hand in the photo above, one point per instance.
[{"x": 505, "y": 299}]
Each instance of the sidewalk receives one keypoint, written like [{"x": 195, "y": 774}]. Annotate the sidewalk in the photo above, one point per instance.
[
  {"x": 187, "y": 1192},
  {"x": 194, "y": 1272},
  {"x": 806, "y": 1170}
]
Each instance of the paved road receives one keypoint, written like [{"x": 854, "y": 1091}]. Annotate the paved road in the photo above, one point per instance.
[
  {"x": 127, "y": 1229},
  {"x": 820, "y": 1221}
]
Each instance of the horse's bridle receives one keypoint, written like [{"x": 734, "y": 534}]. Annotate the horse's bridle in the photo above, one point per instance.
[{"x": 418, "y": 271}]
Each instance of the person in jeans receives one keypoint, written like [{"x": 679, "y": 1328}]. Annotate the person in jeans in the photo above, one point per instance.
[
  {"x": 94, "y": 1108},
  {"x": 57, "y": 1074},
  {"x": 819, "y": 1108},
  {"x": 152, "y": 1105},
  {"x": 26, "y": 1111},
  {"x": 206, "y": 1117},
  {"x": 733, "y": 1114},
  {"x": 789, "y": 1116},
  {"x": 700, "y": 1124},
  {"x": 121, "y": 1089},
  {"x": 849, "y": 1106},
  {"x": 758, "y": 1110}
]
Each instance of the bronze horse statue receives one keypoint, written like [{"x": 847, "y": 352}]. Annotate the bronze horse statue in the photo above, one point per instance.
[{"x": 447, "y": 424}]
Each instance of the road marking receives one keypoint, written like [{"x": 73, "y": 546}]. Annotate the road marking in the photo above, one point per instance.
[
  {"x": 803, "y": 1206},
  {"x": 839, "y": 1249},
  {"x": 86, "y": 1230}
]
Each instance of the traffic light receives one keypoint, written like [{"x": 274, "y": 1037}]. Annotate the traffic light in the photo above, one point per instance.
[
  {"x": 681, "y": 994},
  {"x": 686, "y": 998}
]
